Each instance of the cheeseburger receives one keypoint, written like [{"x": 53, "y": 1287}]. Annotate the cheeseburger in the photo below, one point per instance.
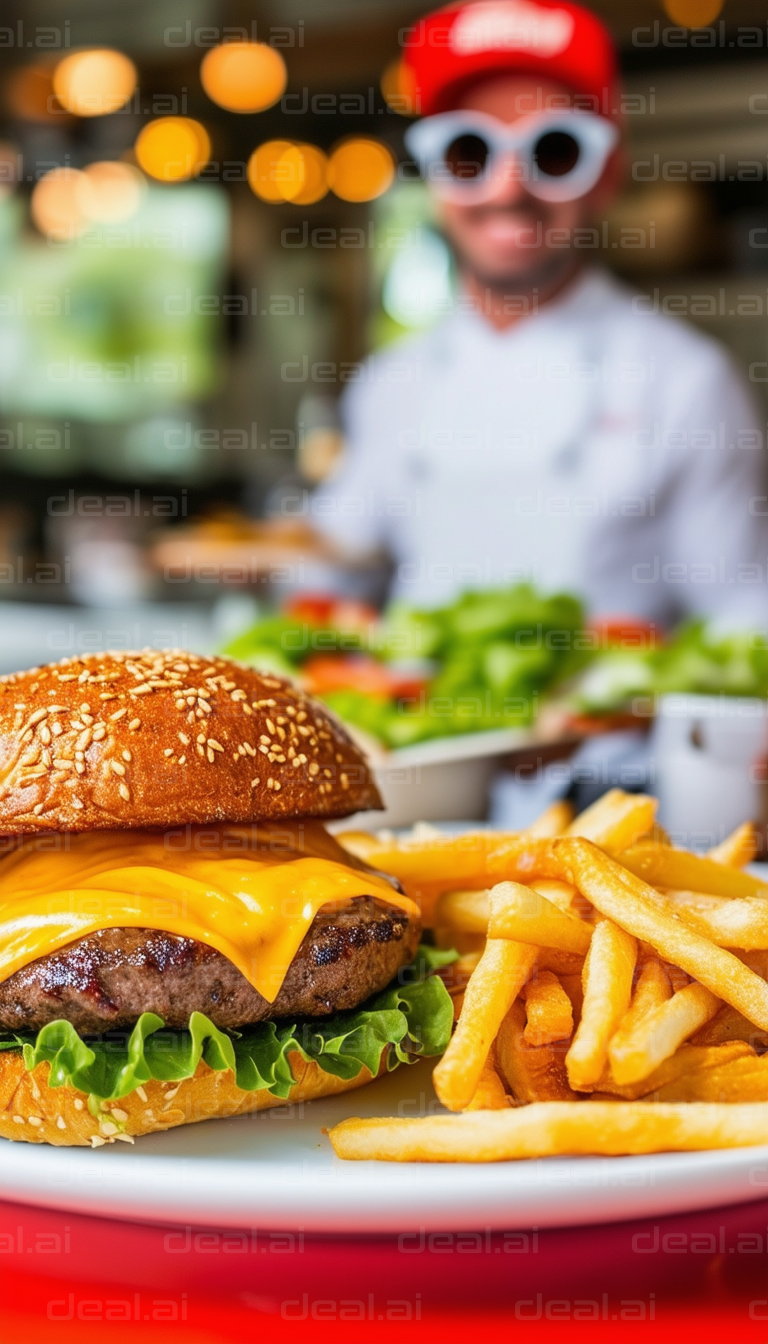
[{"x": 180, "y": 937}]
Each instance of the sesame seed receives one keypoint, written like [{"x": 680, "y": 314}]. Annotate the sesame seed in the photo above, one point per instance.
[
  {"x": 210, "y": 755},
  {"x": 79, "y": 1104},
  {"x": 216, "y": 746},
  {"x": 125, "y": 792},
  {"x": 61, "y": 1122},
  {"x": 141, "y": 1094},
  {"x": 35, "y": 1121},
  {"x": 314, "y": 768},
  {"x": 124, "y": 1138},
  {"x": 80, "y": 767},
  {"x": 37, "y": 809},
  {"x": 97, "y": 1141},
  {"x": 168, "y": 751},
  {"x": 99, "y": 733},
  {"x": 271, "y": 726},
  {"x": 84, "y": 675},
  {"x": 19, "y": 1120},
  {"x": 117, "y": 767},
  {"x": 77, "y": 804},
  {"x": 127, "y": 755},
  {"x": 182, "y": 760},
  {"x": 134, "y": 724},
  {"x": 144, "y": 689},
  {"x": 255, "y": 781},
  {"x": 119, "y": 714},
  {"x": 184, "y": 739},
  {"x": 38, "y": 715},
  {"x": 85, "y": 708},
  {"x": 119, "y": 1114}
]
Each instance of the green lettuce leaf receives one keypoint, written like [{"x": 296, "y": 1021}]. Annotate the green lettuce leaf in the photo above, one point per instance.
[{"x": 412, "y": 1017}]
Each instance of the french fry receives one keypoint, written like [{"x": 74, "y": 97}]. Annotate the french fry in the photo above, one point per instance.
[
  {"x": 466, "y": 911},
  {"x": 554, "y": 1128},
  {"x": 740, "y": 922},
  {"x": 553, "y": 821},
  {"x": 561, "y": 894},
  {"x": 730, "y": 1025},
  {"x": 638, "y": 909},
  {"x": 573, "y": 985},
  {"x": 658, "y": 1034},
  {"x": 561, "y": 963},
  {"x": 743, "y": 1079},
  {"x": 493, "y": 986},
  {"x": 608, "y": 972},
  {"x": 689, "y": 1059},
  {"x": 615, "y": 821},
  {"x": 523, "y": 914},
  {"x": 662, "y": 866},
  {"x": 652, "y": 989},
  {"x": 491, "y": 1094},
  {"x": 549, "y": 1014},
  {"x": 738, "y": 849},
  {"x": 533, "y": 1073}
]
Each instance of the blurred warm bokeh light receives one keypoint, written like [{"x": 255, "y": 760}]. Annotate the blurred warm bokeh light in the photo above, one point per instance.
[
  {"x": 360, "y": 169},
  {"x": 94, "y": 83},
  {"x": 306, "y": 174},
  {"x": 244, "y": 76},
  {"x": 265, "y": 176},
  {"x": 173, "y": 149},
  {"x": 693, "y": 13},
  {"x": 68, "y": 200},
  {"x": 29, "y": 95},
  {"x": 110, "y": 193},
  {"x": 55, "y": 204},
  {"x": 398, "y": 88},
  {"x": 284, "y": 170}
]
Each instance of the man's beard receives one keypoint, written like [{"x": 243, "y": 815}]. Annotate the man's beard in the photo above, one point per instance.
[{"x": 547, "y": 274}]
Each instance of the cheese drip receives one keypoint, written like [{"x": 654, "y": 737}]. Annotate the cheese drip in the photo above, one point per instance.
[{"x": 251, "y": 893}]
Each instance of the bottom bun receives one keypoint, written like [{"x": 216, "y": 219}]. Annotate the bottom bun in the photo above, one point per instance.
[{"x": 36, "y": 1113}]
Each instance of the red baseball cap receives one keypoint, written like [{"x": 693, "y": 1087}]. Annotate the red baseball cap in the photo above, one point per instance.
[{"x": 451, "y": 48}]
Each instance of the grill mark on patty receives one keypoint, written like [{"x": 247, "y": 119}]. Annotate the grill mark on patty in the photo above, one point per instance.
[{"x": 105, "y": 980}]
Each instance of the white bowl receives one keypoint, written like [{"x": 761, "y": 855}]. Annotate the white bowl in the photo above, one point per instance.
[{"x": 446, "y": 779}]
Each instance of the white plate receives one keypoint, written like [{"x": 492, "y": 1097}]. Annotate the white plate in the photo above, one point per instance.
[{"x": 276, "y": 1170}]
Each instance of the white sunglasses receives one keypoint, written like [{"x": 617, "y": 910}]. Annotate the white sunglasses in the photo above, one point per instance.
[{"x": 559, "y": 155}]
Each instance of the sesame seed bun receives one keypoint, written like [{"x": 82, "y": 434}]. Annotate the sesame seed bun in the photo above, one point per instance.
[
  {"x": 160, "y": 739},
  {"x": 31, "y": 1110}
]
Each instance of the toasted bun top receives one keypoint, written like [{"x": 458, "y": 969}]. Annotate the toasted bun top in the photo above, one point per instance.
[{"x": 123, "y": 740}]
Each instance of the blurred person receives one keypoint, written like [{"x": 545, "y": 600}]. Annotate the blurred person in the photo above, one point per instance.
[{"x": 548, "y": 429}]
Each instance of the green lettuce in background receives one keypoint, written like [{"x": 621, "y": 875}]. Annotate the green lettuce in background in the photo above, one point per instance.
[{"x": 411, "y": 1018}]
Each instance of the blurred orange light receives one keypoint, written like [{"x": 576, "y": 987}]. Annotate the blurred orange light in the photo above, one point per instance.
[
  {"x": 110, "y": 192},
  {"x": 265, "y": 174},
  {"x": 306, "y": 179},
  {"x": 55, "y": 204},
  {"x": 398, "y": 87},
  {"x": 244, "y": 76},
  {"x": 693, "y": 13},
  {"x": 173, "y": 149},
  {"x": 94, "y": 83},
  {"x": 29, "y": 93},
  {"x": 360, "y": 170}
]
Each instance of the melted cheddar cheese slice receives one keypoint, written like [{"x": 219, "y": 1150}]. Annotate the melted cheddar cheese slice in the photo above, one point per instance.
[{"x": 250, "y": 893}]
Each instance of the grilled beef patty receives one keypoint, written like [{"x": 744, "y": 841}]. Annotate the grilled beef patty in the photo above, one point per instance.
[{"x": 106, "y": 980}]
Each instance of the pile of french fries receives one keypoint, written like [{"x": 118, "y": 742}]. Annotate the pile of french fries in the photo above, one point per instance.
[{"x": 611, "y": 991}]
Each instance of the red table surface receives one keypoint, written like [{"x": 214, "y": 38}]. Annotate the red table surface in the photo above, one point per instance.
[{"x": 64, "y": 1277}]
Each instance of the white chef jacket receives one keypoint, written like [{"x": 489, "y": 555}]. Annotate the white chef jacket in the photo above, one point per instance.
[{"x": 592, "y": 447}]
